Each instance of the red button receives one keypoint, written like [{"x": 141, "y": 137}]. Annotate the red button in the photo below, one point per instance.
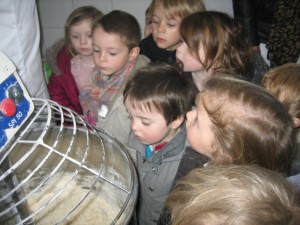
[{"x": 8, "y": 107}]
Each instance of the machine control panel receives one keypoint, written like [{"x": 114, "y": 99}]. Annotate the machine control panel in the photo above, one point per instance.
[{"x": 15, "y": 103}]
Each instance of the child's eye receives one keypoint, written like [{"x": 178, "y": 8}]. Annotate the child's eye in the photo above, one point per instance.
[
  {"x": 154, "y": 20},
  {"x": 171, "y": 24},
  {"x": 96, "y": 51},
  {"x": 146, "y": 123},
  {"x": 74, "y": 36},
  {"x": 113, "y": 53},
  {"x": 148, "y": 21}
]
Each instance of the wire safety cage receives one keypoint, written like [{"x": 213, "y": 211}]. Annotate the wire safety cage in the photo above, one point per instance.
[{"x": 60, "y": 170}]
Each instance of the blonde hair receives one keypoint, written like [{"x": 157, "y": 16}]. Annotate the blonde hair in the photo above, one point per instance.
[
  {"x": 178, "y": 8},
  {"x": 249, "y": 124},
  {"x": 284, "y": 83},
  {"x": 235, "y": 195},
  {"x": 78, "y": 15}
]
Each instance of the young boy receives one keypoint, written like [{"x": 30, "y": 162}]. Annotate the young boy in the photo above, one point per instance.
[
  {"x": 166, "y": 18},
  {"x": 115, "y": 39},
  {"x": 157, "y": 99}
]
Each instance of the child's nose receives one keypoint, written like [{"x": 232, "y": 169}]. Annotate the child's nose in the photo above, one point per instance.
[
  {"x": 191, "y": 115},
  {"x": 161, "y": 27},
  {"x": 83, "y": 40},
  {"x": 134, "y": 125},
  {"x": 189, "y": 118},
  {"x": 102, "y": 56}
]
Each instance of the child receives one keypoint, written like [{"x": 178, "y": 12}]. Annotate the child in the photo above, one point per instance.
[
  {"x": 166, "y": 19},
  {"x": 213, "y": 41},
  {"x": 236, "y": 122},
  {"x": 116, "y": 38},
  {"x": 244, "y": 195},
  {"x": 148, "y": 27},
  {"x": 157, "y": 99},
  {"x": 284, "y": 83},
  {"x": 74, "y": 73}
]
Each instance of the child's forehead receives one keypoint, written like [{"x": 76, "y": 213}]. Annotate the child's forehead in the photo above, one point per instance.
[
  {"x": 81, "y": 27},
  {"x": 86, "y": 20},
  {"x": 116, "y": 38},
  {"x": 144, "y": 106},
  {"x": 170, "y": 12}
]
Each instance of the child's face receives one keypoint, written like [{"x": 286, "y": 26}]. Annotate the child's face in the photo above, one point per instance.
[
  {"x": 189, "y": 60},
  {"x": 148, "y": 26},
  {"x": 199, "y": 131},
  {"x": 191, "y": 63},
  {"x": 81, "y": 37},
  {"x": 110, "y": 53},
  {"x": 150, "y": 127},
  {"x": 165, "y": 30}
]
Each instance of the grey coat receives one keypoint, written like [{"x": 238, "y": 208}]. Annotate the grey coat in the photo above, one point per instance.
[{"x": 156, "y": 175}]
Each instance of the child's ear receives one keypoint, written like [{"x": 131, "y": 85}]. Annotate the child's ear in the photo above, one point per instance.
[
  {"x": 177, "y": 123},
  {"x": 134, "y": 53},
  {"x": 296, "y": 122}
]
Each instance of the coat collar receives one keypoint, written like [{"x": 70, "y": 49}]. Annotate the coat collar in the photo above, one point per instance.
[{"x": 173, "y": 148}]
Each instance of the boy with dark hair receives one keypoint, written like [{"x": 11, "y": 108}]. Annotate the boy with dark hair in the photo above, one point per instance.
[
  {"x": 115, "y": 38},
  {"x": 157, "y": 99}
]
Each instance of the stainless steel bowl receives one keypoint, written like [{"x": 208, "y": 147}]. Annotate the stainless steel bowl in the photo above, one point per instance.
[{"x": 59, "y": 169}]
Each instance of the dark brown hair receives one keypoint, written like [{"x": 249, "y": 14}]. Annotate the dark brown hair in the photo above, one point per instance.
[
  {"x": 161, "y": 86},
  {"x": 123, "y": 24},
  {"x": 222, "y": 39}
]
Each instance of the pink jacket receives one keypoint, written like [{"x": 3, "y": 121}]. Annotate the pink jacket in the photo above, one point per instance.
[{"x": 62, "y": 87}]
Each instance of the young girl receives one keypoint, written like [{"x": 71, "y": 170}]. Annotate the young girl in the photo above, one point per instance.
[
  {"x": 213, "y": 41},
  {"x": 237, "y": 122},
  {"x": 243, "y": 195},
  {"x": 284, "y": 83},
  {"x": 166, "y": 18},
  {"x": 74, "y": 61}
]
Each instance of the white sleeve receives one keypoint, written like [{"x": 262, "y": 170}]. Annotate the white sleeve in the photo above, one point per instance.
[{"x": 20, "y": 41}]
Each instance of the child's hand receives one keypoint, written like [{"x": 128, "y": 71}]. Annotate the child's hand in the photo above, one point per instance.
[{"x": 90, "y": 119}]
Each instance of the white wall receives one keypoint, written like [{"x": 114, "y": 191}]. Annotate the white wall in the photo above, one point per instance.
[{"x": 54, "y": 13}]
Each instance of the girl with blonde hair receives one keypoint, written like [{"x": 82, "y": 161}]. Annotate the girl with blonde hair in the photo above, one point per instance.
[{"x": 236, "y": 195}]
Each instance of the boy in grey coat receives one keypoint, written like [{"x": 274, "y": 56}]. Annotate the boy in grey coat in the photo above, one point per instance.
[{"x": 157, "y": 99}]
